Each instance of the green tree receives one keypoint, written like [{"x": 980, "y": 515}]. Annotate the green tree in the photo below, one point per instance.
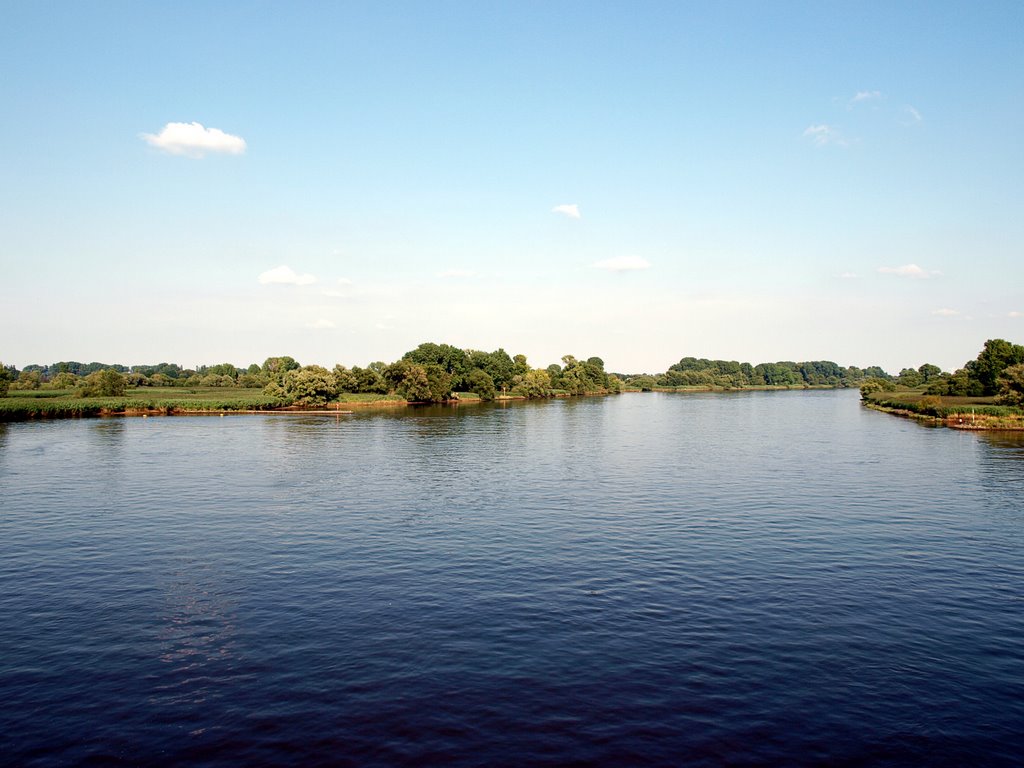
[
  {"x": 439, "y": 382},
  {"x": 521, "y": 367},
  {"x": 535, "y": 383},
  {"x": 224, "y": 369},
  {"x": 345, "y": 380},
  {"x": 910, "y": 378},
  {"x": 370, "y": 379},
  {"x": 1011, "y": 386},
  {"x": 408, "y": 380},
  {"x": 252, "y": 380},
  {"x": 63, "y": 380},
  {"x": 480, "y": 383},
  {"x": 312, "y": 385},
  {"x": 217, "y": 380},
  {"x": 873, "y": 385},
  {"x": 451, "y": 360},
  {"x": 875, "y": 372},
  {"x": 643, "y": 382},
  {"x": 994, "y": 358},
  {"x": 104, "y": 383},
  {"x": 929, "y": 372},
  {"x": 276, "y": 367},
  {"x": 497, "y": 364},
  {"x": 961, "y": 384},
  {"x": 28, "y": 379},
  {"x": 5, "y": 379}
]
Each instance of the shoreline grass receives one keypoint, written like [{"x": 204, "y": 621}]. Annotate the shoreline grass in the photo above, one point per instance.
[{"x": 972, "y": 413}]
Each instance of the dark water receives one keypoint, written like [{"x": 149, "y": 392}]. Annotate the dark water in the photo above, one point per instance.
[{"x": 765, "y": 578}]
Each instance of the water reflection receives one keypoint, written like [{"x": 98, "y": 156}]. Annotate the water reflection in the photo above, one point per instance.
[
  {"x": 1009, "y": 444},
  {"x": 109, "y": 432},
  {"x": 196, "y": 635}
]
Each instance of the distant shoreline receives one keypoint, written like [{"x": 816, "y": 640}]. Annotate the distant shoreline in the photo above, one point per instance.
[{"x": 137, "y": 405}]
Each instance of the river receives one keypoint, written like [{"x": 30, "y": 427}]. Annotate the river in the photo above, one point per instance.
[{"x": 702, "y": 579}]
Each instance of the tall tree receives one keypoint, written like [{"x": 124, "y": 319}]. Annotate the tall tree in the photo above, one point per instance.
[{"x": 994, "y": 358}]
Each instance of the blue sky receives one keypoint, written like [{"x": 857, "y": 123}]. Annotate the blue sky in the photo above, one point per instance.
[{"x": 338, "y": 182}]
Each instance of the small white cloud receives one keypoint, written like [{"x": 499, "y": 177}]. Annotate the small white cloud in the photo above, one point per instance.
[
  {"x": 1015, "y": 314},
  {"x": 622, "y": 264},
  {"x": 945, "y": 312},
  {"x": 320, "y": 324},
  {"x": 861, "y": 96},
  {"x": 849, "y": 276},
  {"x": 569, "y": 210},
  {"x": 908, "y": 270},
  {"x": 911, "y": 116},
  {"x": 194, "y": 140},
  {"x": 285, "y": 275},
  {"x": 454, "y": 273},
  {"x": 823, "y": 134},
  {"x": 345, "y": 281}
]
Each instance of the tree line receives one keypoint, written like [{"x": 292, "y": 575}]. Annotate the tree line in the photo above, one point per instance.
[
  {"x": 429, "y": 373},
  {"x": 434, "y": 372},
  {"x": 997, "y": 371}
]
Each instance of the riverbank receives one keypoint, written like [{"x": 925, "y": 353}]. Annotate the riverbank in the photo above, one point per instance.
[
  {"x": 969, "y": 413},
  {"x": 210, "y": 401},
  {"x": 171, "y": 401}
]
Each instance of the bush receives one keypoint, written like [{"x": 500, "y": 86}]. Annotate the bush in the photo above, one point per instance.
[
  {"x": 871, "y": 386},
  {"x": 105, "y": 383}
]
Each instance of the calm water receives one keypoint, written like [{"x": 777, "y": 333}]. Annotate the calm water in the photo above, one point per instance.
[{"x": 763, "y": 578}]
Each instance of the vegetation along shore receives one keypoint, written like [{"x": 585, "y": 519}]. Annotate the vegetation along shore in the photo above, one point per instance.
[{"x": 986, "y": 393}]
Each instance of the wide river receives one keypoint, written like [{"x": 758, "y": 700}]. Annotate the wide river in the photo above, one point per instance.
[{"x": 777, "y": 578}]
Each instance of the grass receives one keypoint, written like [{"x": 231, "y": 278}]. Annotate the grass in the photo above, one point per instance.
[
  {"x": 963, "y": 412},
  {"x": 367, "y": 398},
  {"x": 57, "y": 404}
]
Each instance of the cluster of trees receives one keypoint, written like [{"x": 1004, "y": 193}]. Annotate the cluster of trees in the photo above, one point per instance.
[
  {"x": 997, "y": 371},
  {"x": 731, "y": 374},
  {"x": 429, "y": 373},
  {"x": 434, "y": 372}
]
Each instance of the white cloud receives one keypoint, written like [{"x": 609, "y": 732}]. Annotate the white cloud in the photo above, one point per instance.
[
  {"x": 193, "y": 140},
  {"x": 1015, "y": 314},
  {"x": 570, "y": 210},
  {"x": 908, "y": 270},
  {"x": 622, "y": 264},
  {"x": 344, "y": 281},
  {"x": 849, "y": 276},
  {"x": 913, "y": 117},
  {"x": 285, "y": 275},
  {"x": 945, "y": 312},
  {"x": 320, "y": 324},
  {"x": 861, "y": 96},
  {"x": 823, "y": 134},
  {"x": 456, "y": 273}
]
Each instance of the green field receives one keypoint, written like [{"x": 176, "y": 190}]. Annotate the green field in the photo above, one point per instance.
[{"x": 20, "y": 405}]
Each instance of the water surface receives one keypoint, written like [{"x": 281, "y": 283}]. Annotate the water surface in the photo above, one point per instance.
[{"x": 754, "y": 578}]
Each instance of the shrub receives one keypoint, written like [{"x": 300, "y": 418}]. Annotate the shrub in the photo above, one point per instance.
[{"x": 105, "y": 383}]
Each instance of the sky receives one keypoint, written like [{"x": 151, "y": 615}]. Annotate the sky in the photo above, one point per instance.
[{"x": 202, "y": 183}]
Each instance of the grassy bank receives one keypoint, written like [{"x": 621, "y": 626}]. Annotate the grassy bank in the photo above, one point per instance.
[
  {"x": 57, "y": 404},
  {"x": 956, "y": 412}
]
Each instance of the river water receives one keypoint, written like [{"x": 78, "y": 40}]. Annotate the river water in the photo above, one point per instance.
[{"x": 753, "y": 578}]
